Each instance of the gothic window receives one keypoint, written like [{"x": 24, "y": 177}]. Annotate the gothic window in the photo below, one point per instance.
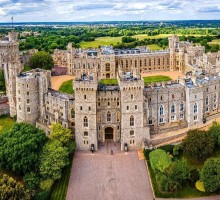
[
  {"x": 215, "y": 98},
  {"x": 161, "y": 110},
  {"x": 107, "y": 67},
  {"x": 173, "y": 108},
  {"x": 181, "y": 107},
  {"x": 207, "y": 100},
  {"x": 108, "y": 116},
  {"x": 72, "y": 114},
  {"x": 195, "y": 109},
  {"x": 132, "y": 121},
  {"x": 85, "y": 121}
]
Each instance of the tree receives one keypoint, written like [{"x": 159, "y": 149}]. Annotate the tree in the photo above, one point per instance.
[
  {"x": 32, "y": 180},
  {"x": 42, "y": 60},
  {"x": 214, "y": 130},
  {"x": 2, "y": 81},
  {"x": 20, "y": 148},
  {"x": 11, "y": 189},
  {"x": 52, "y": 160},
  {"x": 210, "y": 174},
  {"x": 159, "y": 160},
  {"x": 198, "y": 144}
]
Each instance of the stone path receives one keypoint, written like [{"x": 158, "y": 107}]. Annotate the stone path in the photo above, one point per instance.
[{"x": 102, "y": 176}]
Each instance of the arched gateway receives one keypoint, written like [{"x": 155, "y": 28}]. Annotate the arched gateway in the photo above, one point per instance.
[{"x": 109, "y": 133}]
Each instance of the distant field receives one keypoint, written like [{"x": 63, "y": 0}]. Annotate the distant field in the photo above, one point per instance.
[
  {"x": 101, "y": 41},
  {"x": 155, "y": 79},
  {"x": 67, "y": 87},
  {"x": 106, "y": 41},
  {"x": 6, "y": 123}
]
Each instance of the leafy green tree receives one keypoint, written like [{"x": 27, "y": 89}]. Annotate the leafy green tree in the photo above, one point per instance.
[
  {"x": 32, "y": 180},
  {"x": 61, "y": 133},
  {"x": 210, "y": 174},
  {"x": 159, "y": 160},
  {"x": 42, "y": 60},
  {"x": 198, "y": 144},
  {"x": 52, "y": 160},
  {"x": 2, "y": 81},
  {"x": 214, "y": 130},
  {"x": 10, "y": 189},
  {"x": 20, "y": 147}
]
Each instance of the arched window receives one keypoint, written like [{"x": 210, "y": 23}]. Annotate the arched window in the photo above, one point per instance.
[
  {"x": 173, "y": 108},
  {"x": 207, "y": 100},
  {"x": 108, "y": 116},
  {"x": 161, "y": 110},
  {"x": 107, "y": 67},
  {"x": 118, "y": 117},
  {"x": 132, "y": 121},
  {"x": 181, "y": 107},
  {"x": 215, "y": 98},
  {"x": 150, "y": 111},
  {"x": 72, "y": 113},
  {"x": 195, "y": 109},
  {"x": 85, "y": 120}
]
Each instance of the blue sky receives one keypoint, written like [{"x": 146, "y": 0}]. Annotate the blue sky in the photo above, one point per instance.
[{"x": 107, "y": 10}]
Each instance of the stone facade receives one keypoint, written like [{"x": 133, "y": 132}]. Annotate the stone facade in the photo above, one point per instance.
[{"x": 129, "y": 112}]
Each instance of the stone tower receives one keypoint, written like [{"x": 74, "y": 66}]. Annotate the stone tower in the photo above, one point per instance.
[
  {"x": 85, "y": 88},
  {"x": 133, "y": 131},
  {"x": 30, "y": 89},
  {"x": 173, "y": 45},
  {"x": 10, "y": 63}
]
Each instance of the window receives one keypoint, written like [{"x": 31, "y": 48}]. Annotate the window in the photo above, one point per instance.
[
  {"x": 108, "y": 103},
  {"x": 135, "y": 107},
  {"x": 28, "y": 109},
  {"x": 181, "y": 116},
  {"x": 172, "y": 96},
  {"x": 132, "y": 96},
  {"x": 150, "y": 121},
  {"x": 172, "y": 117},
  {"x": 195, "y": 109},
  {"x": 89, "y": 108},
  {"x": 181, "y": 107},
  {"x": 215, "y": 98},
  {"x": 84, "y": 96},
  {"x": 108, "y": 116},
  {"x": 81, "y": 107},
  {"x": 85, "y": 120},
  {"x": 173, "y": 108},
  {"x": 118, "y": 117},
  {"x": 27, "y": 93},
  {"x": 117, "y": 103},
  {"x": 207, "y": 100},
  {"x": 207, "y": 109},
  {"x": 28, "y": 100},
  {"x": 127, "y": 107},
  {"x": 86, "y": 134},
  {"x": 131, "y": 133},
  {"x": 195, "y": 118},
  {"x": 19, "y": 107},
  {"x": 107, "y": 67},
  {"x": 72, "y": 114},
  {"x": 161, "y": 120},
  {"x": 131, "y": 142},
  {"x": 161, "y": 98},
  {"x": 132, "y": 121},
  {"x": 150, "y": 100},
  {"x": 215, "y": 106},
  {"x": 161, "y": 110}
]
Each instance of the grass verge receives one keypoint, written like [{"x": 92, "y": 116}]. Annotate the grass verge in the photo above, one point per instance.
[
  {"x": 60, "y": 188},
  {"x": 109, "y": 81},
  {"x": 67, "y": 87},
  {"x": 6, "y": 123}
]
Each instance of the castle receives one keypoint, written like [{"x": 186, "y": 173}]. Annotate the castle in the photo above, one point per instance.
[{"x": 129, "y": 112}]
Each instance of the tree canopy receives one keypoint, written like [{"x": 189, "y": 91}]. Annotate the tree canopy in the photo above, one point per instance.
[
  {"x": 42, "y": 60},
  {"x": 20, "y": 148},
  {"x": 198, "y": 144}
]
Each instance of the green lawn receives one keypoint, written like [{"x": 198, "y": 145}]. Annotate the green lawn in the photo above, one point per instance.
[
  {"x": 27, "y": 68},
  {"x": 60, "y": 188},
  {"x": 6, "y": 123},
  {"x": 101, "y": 41},
  {"x": 154, "y": 47},
  {"x": 109, "y": 81},
  {"x": 67, "y": 87},
  {"x": 154, "y": 79}
]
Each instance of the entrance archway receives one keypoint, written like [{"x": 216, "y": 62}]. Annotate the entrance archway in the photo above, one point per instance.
[
  {"x": 109, "y": 133},
  {"x": 107, "y": 76}
]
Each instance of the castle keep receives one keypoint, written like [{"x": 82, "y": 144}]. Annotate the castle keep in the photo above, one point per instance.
[{"x": 129, "y": 112}]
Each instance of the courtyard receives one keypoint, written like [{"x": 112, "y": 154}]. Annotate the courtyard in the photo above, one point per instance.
[{"x": 102, "y": 176}]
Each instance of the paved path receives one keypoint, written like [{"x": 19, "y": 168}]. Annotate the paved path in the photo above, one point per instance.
[{"x": 102, "y": 176}]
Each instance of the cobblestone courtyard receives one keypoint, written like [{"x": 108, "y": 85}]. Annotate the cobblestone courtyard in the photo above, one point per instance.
[{"x": 103, "y": 176}]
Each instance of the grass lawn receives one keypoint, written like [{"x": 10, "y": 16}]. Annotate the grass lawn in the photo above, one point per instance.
[
  {"x": 101, "y": 41},
  {"x": 154, "y": 79},
  {"x": 6, "y": 123},
  {"x": 27, "y": 68},
  {"x": 109, "y": 81},
  {"x": 67, "y": 87},
  {"x": 60, "y": 189},
  {"x": 154, "y": 47}
]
